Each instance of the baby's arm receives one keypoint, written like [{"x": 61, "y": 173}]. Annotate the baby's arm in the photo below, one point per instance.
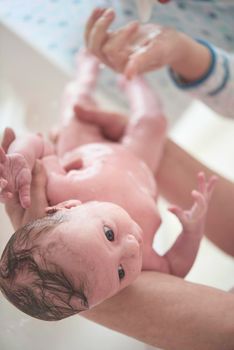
[
  {"x": 16, "y": 165},
  {"x": 182, "y": 254},
  {"x": 180, "y": 257}
]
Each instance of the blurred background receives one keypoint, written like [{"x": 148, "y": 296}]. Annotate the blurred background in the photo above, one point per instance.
[{"x": 38, "y": 40}]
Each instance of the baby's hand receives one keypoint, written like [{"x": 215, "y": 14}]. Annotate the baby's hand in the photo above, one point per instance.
[
  {"x": 15, "y": 176},
  {"x": 193, "y": 220},
  {"x": 132, "y": 49}
]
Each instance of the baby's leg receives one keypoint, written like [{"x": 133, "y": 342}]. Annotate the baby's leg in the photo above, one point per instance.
[
  {"x": 16, "y": 165},
  {"x": 145, "y": 134},
  {"x": 74, "y": 132}
]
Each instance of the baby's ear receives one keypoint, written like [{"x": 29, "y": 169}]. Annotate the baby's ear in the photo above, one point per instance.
[{"x": 66, "y": 204}]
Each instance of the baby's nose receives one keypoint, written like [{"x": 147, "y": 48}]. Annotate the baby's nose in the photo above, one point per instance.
[{"x": 131, "y": 247}]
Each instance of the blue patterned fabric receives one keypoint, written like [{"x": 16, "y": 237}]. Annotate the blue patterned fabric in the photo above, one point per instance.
[{"x": 55, "y": 27}]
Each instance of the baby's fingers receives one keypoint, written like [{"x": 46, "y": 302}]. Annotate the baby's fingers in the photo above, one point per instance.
[
  {"x": 206, "y": 187},
  {"x": 200, "y": 202},
  {"x": 201, "y": 182},
  {"x": 117, "y": 49},
  {"x": 177, "y": 211},
  {"x": 211, "y": 185}
]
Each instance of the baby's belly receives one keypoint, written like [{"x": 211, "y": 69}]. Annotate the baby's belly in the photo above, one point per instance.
[{"x": 109, "y": 173}]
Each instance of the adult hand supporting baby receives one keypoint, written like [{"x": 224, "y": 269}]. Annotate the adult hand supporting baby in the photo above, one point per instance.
[
  {"x": 99, "y": 40},
  {"x": 17, "y": 214},
  {"x": 20, "y": 216},
  {"x": 168, "y": 312}
]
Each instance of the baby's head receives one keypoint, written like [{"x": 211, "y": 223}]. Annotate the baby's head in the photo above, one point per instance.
[{"x": 71, "y": 260}]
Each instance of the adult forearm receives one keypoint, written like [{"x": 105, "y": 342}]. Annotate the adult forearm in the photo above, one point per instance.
[
  {"x": 194, "y": 59},
  {"x": 177, "y": 176},
  {"x": 170, "y": 313}
]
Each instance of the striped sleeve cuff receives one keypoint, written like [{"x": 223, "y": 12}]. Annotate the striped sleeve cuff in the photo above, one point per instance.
[{"x": 214, "y": 80}]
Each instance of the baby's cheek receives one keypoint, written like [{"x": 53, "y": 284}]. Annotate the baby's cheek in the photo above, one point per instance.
[{"x": 133, "y": 270}]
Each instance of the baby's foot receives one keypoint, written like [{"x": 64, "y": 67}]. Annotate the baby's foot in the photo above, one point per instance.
[{"x": 15, "y": 176}]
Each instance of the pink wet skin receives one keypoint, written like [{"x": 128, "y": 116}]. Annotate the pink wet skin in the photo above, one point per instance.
[
  {"x": 107, "y": 189},
  {"x": 92, "y": 254}
]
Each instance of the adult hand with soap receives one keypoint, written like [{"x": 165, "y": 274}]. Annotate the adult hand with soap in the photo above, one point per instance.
[
  {"x": 195, "y": 66},
  {"x": 140, "y": 48}
]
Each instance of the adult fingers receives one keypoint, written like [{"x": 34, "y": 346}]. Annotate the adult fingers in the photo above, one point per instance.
[
  {"x": 148, "y": 56},
  {"x": 96, "y": 14},
  {"x": 122, "y": 35},
  {"x": 99, "y": 35},
  {"x": 118, "y": 46},
  {"x": 38, "y": 193},
  {"x": 140, "y": 62},
  {"x": 24, "y": 196}
]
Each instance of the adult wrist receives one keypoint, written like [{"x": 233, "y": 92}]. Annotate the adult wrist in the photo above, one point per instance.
[{"x": 194, "y": 62}]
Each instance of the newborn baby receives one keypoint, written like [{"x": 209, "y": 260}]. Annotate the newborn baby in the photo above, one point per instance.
[{"x": 98, "y": 232}]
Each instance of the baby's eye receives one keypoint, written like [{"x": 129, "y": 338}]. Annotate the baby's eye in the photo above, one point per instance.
[
  {"x": 121, "y": 272},
  {"x": 109, "y": 233}
]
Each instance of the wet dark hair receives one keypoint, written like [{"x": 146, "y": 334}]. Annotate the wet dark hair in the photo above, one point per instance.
[{"x": 48, "y": 294}]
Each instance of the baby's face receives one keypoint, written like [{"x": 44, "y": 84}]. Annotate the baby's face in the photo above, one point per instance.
[{"x": 101, "y": 245}]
